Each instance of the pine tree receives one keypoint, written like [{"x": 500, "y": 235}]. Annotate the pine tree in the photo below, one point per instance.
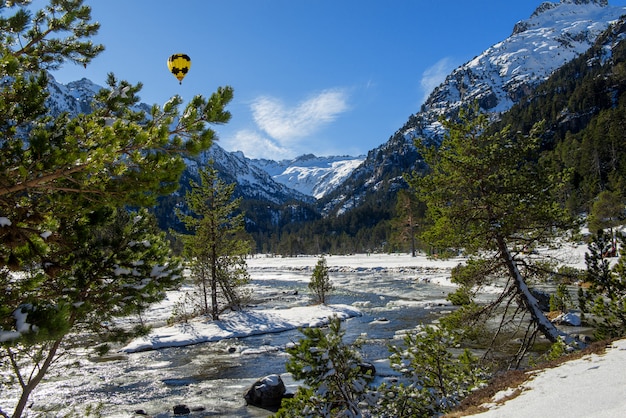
[
  {"x": 216, "y": 249},
  {"x": 405, "y": 223},
  {"x": 606, "y": 213},
  {"x": 434, "y": 379},
  {"x": 63, "y": 182},
  {"x": 487, "y": 194},
  {"x": 604, "y": 301},
  {"x": 119, "y": 264},
  {"x": 320, "y": 284},
  {"x": 336, "y": 383}
]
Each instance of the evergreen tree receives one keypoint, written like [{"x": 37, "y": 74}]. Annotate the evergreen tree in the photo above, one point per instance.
[
  {"x": 405, "y": 223},
  {"x": 216, "y": 250},
  {"x": 606, "y": 213},
  {"x": 120, "y": 263},
  {"x": 335, "y": 382},
  {"x": 63, "y": 182},
  {"x": 488, "y": 195},
  {"x": 320, "y": 284},
  {"x": 434, "y": 380},
  {"x": 604, "y": 301}
]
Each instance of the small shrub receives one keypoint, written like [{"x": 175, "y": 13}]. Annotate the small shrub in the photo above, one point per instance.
[{"x": 320, "y": 284}]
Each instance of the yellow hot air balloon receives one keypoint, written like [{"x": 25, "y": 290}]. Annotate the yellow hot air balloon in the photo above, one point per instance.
[{"x": 179, "y": 65}]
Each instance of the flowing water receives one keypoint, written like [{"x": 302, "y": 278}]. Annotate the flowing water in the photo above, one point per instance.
[{"x": 211, "y": 378}]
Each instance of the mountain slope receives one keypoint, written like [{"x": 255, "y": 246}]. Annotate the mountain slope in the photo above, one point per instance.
[
  {"x": 497, "y": 78},
  {"x": 300, "y": 179},
  {"x": 310, "y": 175},
  {"x": 252, "y": 181}
]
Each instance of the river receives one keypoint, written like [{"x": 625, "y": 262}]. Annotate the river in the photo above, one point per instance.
[{"x": 393, "y": 294}]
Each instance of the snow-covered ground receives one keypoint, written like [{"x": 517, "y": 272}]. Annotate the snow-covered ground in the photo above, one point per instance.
[
  {"x": 592, "y": 386},
  {"x": 262, "y": 320},
  {"x": 239, "y": 324},
  {"x": 383, "y": 294},
  {"x": 209, "y": 364}
]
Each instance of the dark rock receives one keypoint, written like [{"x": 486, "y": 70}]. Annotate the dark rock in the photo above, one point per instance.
[
  {"x": 141, "y": 412},
  {"x": 181, "y": 410},
  {"x": 368, "y": 369},
  {"x": 266, "y": 392}
]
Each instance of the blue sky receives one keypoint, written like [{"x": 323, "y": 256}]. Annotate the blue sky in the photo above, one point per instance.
[{"x": 328, "y": 77}]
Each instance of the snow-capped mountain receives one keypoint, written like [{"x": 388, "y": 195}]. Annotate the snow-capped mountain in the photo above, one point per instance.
[
  {"x": 74, "y": 97},
  {"x": 497, "y": 78},
  {"x": 310, "y": 175},
  {"x": 252, "y": 181},
  {"x": 506, "y": 72},
  {"x": 277, "y": 182}
]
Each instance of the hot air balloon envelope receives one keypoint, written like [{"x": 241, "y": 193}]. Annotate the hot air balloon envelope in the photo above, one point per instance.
[{"x": 179, "y": 65}]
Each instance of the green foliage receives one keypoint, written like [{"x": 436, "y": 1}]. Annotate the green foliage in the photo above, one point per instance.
[
  {"x": 435, "y": 379},
  {"x": 558, "y": 349},
  {"x": 603, "y": 301},
  {"x": 607, "y": 211},
  {"x": 320, "y": 284},
  {"x": 71, "y": 257},
  {"x": 561, "y": 300},
  {"x": 217, "y": 247},
  {"x": 486, "y": 187},
  {"x": 405, "y": 225},
  {"x": 120, "y": 264},
  {"x": 471, "y": 277},
  {"x": 335, "y": 383},
  {"x": 488, "y": 193}
]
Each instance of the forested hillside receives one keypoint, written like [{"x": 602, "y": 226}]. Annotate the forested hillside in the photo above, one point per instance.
[{"x": 584, "y": 109}]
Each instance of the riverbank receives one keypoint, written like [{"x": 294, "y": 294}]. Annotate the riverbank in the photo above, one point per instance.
[{"x": 589, "y": 384}]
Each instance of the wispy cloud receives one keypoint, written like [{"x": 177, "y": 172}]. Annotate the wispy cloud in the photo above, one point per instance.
[
  {"x": 435, "y": 75},
  {"x": 256, "y": 145},
  {"x": 288, "y": 124}
]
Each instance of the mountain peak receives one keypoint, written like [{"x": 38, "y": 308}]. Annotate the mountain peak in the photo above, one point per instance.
[
  {"x": 496, "y": 79},
  {"x": 547, "y": 6},
  {"x": 309, "y": 174}
]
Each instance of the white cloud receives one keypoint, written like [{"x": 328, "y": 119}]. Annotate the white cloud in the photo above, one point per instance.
[
  {"x": 435, "y": 75},
  {"x": 255, "y": 145},
  {"x": 286, "y": 125}
]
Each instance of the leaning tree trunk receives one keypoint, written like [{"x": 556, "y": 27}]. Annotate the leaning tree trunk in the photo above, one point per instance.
[{"x": 530, "y": 302}]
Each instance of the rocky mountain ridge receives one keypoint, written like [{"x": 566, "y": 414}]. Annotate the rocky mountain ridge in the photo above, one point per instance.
[
  {"x": 309, "y": 174},
  {"x": 305, "y": 178},
  {"x": 496, "y": 79}
]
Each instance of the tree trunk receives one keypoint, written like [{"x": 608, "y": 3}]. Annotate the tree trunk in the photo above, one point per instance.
[
  {"x": 203, "y": 285},
  {"x": 28, "y": 388},
  {"x": 412, "y": 232},
  {"x": 214, "y": 280},
  {"x": 530, "y": 302}
]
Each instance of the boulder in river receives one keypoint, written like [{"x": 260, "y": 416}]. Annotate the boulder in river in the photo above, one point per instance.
[
  {"x": 181, "y": 410},
  {"x": 266, "y": 392}
]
